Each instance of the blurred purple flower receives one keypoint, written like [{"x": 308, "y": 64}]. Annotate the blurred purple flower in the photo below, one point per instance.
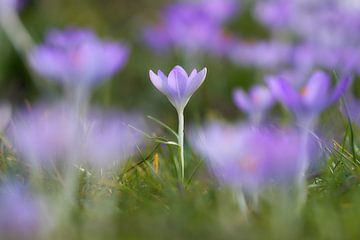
[
  {"x": 256, "y": 103},
  {"x": 178, "y": 86},
  {"x": 109, "y": 139},
  {"x": 189, "y": 27},
  {"x": 45, "y": 134},
  {"x": 76, "y": 57},
  {"x": 157, "y": 38},
  {"x": 20, "y": 213},
  {"x": 275, "y": 14},
  {"x": 220, "y": 10},
  {"x": 313, "y": 98},
  {"x": 192, "y": 26},
  {"x": 266, "y": 55},
  {"x": 251, "y": 158}
]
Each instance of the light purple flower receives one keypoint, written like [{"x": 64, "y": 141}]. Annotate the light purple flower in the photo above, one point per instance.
[
  {"x": 312, "y": 98},
  {"x": 261, "y": 54},
  {"x": 178, "y": 86},
  {"x": 76, "y": 57},
  {"x": 220, "y": 10},
  {"x": 46, "y": 134},
  {"x": 109, "y": 139},
  {"x": 275, "y": 14},
  {"x": 249, "y": 158},
  {"x": 190, "y": 28},
  {"x": 157, "y": 38},
  {"x": 20, "y": 213},
  {"x": 256, "y": 103},
  {"x": 194, "y": 27}
]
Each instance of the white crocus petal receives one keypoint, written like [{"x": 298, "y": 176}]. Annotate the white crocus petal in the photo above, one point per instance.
[
  {"x": 195, "y": 82},
  {"x": 157, "y": 81}
]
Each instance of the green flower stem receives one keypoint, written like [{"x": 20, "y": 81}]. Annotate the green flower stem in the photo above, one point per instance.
[{"x": 181, "y": 142}]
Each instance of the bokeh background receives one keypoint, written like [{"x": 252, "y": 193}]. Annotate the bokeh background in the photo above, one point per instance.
[{"x": 125, "y": 21}]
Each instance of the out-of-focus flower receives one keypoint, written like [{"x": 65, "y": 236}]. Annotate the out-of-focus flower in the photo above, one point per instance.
[
  {"x": 109, "y": 139},
  {"x": 46, "y": 134},
  {"x": 54, "y": 133},
  {"x": 275, "y": 14},
  {"x": 192, "y": 26},
  {"x": 77, "y": 57},
  {"x": 256, "y": 103},
  {"x": 178, "y": 86},
  {"x": 251, "y": 158},
  {"x": 157, "y": 38},
  {"x": 324, "y": 27},
  {"x": 313, "y": 97},
  {"x": 266, "y": 55},
  {"x": 20, "y": 214},
  {"x": 220, "y": 10}
]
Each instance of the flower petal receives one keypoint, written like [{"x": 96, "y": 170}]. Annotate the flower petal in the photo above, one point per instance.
[
  {"x": 316, "y": 93},
  {"x": 157, "y": 81},
  {"x": 285, "y": 93},
  {"x": 241, "y": 100},
  {"x": 177, "y": 82},
  {"x": 341, "y": 88},
  {"x": 195, "y": 81}
]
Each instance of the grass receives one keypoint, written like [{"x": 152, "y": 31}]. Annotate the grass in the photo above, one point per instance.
[{"x": 145, "y": 200}]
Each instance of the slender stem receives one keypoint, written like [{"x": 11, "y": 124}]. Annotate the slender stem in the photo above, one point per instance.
[
  {"x": 307, "y": 125},
  {"x": 14, "y": 29},
  {"x": 181, "y": 142}
]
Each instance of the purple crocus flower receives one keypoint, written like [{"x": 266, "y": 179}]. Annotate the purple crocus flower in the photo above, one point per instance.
[
  {"x": 45, "y": 134},
  {"x": 178, "y": 86},
  {"x": 275, "y": 14},
  {"x": 220, "y": 10},
  {"x": 251, "y": 158},
  {"x": 192, "y": 26},
  {"x": 256, "y": 103},
  {"x": 109, "y": 139},
  {"x": 77, "y": 57},
  {"x": 20, "y": 213},
  {"x": 267, "y": 55},
  {"x": 313, "y": 98},
  {"x": 157, "y": 38}
]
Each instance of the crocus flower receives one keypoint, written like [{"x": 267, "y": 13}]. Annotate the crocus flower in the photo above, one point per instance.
[
  {"x": 20, "y": 213},
  {"x": 109, "y": 140},
  {"x": 313, "y": 98},
  {"x": 178, "y": 86},
  {"x": 45, "y": 134},
  {"x": 194, "y": 27},
  {"x": 261, "y": 54},
  {"x": 256, "y": 103},
  {"x": 250, "y": 159},
  {"x": 77, "y": 57}
]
